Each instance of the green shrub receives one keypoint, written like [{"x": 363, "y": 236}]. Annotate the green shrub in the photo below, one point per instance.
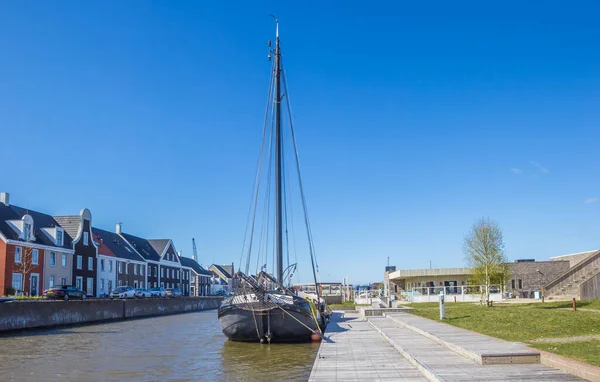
[{"x": 10, "y": 291}]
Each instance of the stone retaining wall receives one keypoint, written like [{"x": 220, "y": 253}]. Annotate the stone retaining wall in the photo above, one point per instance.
[{"x": 20, "y": 315}]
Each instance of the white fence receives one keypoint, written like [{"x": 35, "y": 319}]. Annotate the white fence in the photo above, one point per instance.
[{"x": 452, "y": 293}]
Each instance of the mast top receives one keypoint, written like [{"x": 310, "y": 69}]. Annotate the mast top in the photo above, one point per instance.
[{"x": 276, "y": 26}]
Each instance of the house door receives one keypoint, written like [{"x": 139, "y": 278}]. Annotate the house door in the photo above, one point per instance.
[
  {"x": 90, "y": 286},
  {"x": 79, "y": 282},
  {"x": 34, "y": 284}
]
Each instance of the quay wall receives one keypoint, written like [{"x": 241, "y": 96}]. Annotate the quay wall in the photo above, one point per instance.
[
  {"x": 39, "y": 314},
  {"x": 157, "y": 307}
]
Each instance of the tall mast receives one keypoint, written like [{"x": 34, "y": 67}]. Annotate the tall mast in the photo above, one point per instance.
[{"x": 278, "y": 156}]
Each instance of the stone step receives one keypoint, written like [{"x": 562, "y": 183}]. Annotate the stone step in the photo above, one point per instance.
[{"x": 440, "y": 363}]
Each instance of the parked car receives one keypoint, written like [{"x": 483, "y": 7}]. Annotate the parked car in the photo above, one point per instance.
[
  {"x": 123, "y": 292},
  {"x": 142, "y": 293},
  {"x": 158, "y": 292},
  {"x": 173, "y": 292},
  {"x": 64, "y": 292}
]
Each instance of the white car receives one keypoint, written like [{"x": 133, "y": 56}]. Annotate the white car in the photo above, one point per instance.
[
  {"x": 142, "y": 293},
  {"x": 158, "y": 292},
  {"x": 123, "y": 292}
]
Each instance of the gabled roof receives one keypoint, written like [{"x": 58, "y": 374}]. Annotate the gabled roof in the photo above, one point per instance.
[
  {"x": 70, "y": 224},
  {"x": 143, "y": 247},
  {"x": 225, "y": 270},
  {"x": 191, "y": 263},
  {"x": 40, "y": 220},
  {"x": 116, "y": 245},
  {"x": 159, "y": 245}
]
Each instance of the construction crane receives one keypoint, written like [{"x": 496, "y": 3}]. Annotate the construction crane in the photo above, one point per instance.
[{"x": 195, "y": 256}]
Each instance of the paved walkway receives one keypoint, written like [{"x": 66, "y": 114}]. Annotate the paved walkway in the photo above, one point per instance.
[
  {"x": 384, "y": 349},
  {"x": 357, "y": 352}
]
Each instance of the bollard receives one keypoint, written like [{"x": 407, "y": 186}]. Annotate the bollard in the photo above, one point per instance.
[
  {"x": 442, "y": 308},
  {"x": 574, "y": 304}
]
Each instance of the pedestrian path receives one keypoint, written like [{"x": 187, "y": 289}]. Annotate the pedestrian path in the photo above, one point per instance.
[
  {"x": 444, "y": 364},
  {"x": 390, "y": 349},
  {"x": 357, "y": 352},
  {"x": 480, "y": 348}
]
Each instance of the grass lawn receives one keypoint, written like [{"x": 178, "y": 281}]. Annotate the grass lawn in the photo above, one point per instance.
[{"x": 526, "y": 323}]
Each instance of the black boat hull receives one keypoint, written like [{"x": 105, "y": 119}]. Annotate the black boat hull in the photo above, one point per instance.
[{"x": 295, "y": 324}]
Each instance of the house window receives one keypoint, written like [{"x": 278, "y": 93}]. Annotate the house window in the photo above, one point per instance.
[
  {"x": 101, "y": 284},
  {"x": 149, "y": 270},
  {"x": 162, "y": 272},
  {"x": 51, "y": 282},
  {"x": 26, "y": 231},
  {"x": 127, "y": 269},
  {"x": 52, "y": 259},
  {"x": 79, "y": 262},
  {"x": 513, "y": 283},
  {"x": 85, "y": 238},
  {"x": 135, "y": 269},
  {"x": 102, "y": 266},
  {"x": 59, "y": 237},
  {"x": 17, "y": 282},
  {"x": 90, "y": 263},
  {"x": 63, "y": 281},
  {"x": 110, "y": 265},
  {"x": 109, "y": 285},
  {"x": 18, "y": 255},
  {"x": 64, "y": 260},
  {"x": 35, "y": 254},
  {"x": 520, "y": 284},
  {"x": 177, "y": 274},
  {"x": 162, "y": 284},
  {"x": 119, "y": 267},
  {"x": 141, "y": 269}
]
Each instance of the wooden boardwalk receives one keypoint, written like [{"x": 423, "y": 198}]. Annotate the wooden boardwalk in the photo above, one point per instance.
[
  {"x": 383, "y": 349},
  {"x": 357, "y": 352}
]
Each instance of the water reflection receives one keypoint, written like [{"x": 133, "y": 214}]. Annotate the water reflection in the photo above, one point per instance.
[{"x": 188, "y": 347}]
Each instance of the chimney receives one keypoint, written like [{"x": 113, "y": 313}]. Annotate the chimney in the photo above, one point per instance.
[
  {"x": 180, "y": 253},
  {"x": 119, "y": 226},
  {"x": 4, "y": 196}
]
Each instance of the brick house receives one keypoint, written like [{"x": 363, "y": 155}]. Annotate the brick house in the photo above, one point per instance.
[
  {"x": 78, "y": 228},
  {"x": 30, "y": 243},
  {"x": 200, "y": 278},
  {"x": 106, "y": 279},
  {"x": 172, "y": 275},
  {"x": 144, "y": 250}
]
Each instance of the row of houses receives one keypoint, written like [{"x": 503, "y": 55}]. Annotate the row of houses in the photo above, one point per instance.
[{"x": 39, "y": 251}]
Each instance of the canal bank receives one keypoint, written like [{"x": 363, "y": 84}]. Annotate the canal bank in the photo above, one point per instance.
[{"x": 42, "y": 314}]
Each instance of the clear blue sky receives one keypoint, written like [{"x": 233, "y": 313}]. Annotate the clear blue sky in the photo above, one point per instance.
[{"x": 413, "y": 121}]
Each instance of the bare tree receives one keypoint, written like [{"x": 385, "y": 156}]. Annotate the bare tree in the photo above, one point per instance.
[
  {"x": 484, "y": 253},
  {"x": 26, "y": 265}
]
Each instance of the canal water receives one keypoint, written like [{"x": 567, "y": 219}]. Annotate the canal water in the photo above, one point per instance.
[{"x": 185, "y": 347}]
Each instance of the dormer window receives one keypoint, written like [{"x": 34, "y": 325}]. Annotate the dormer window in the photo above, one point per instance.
[
  {"x": 27, "y": 227},
  {"x": 59, "y": 237},
  {"x": 85, "y": 238},
  {"x": 26, "y": 231}
]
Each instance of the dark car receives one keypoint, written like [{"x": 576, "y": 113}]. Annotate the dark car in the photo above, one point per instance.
[
  {"x": 173, "y": 292},
  {"x": 65, "y": 292}
]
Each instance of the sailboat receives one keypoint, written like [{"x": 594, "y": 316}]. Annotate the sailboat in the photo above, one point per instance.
[{"x": 264, "y": 307}]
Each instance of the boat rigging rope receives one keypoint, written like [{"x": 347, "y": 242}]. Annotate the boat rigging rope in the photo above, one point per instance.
[
  {"x": 257, "y": 179},
  {"x": 313, "y": 255}
]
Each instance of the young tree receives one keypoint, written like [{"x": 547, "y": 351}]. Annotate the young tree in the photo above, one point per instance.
[
  {"x": 25, "y": 266},
  {"x": 484, "y": 253}
]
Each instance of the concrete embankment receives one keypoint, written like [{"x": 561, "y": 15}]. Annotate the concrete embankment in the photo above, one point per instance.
[{"x": 29, "y": 315}]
